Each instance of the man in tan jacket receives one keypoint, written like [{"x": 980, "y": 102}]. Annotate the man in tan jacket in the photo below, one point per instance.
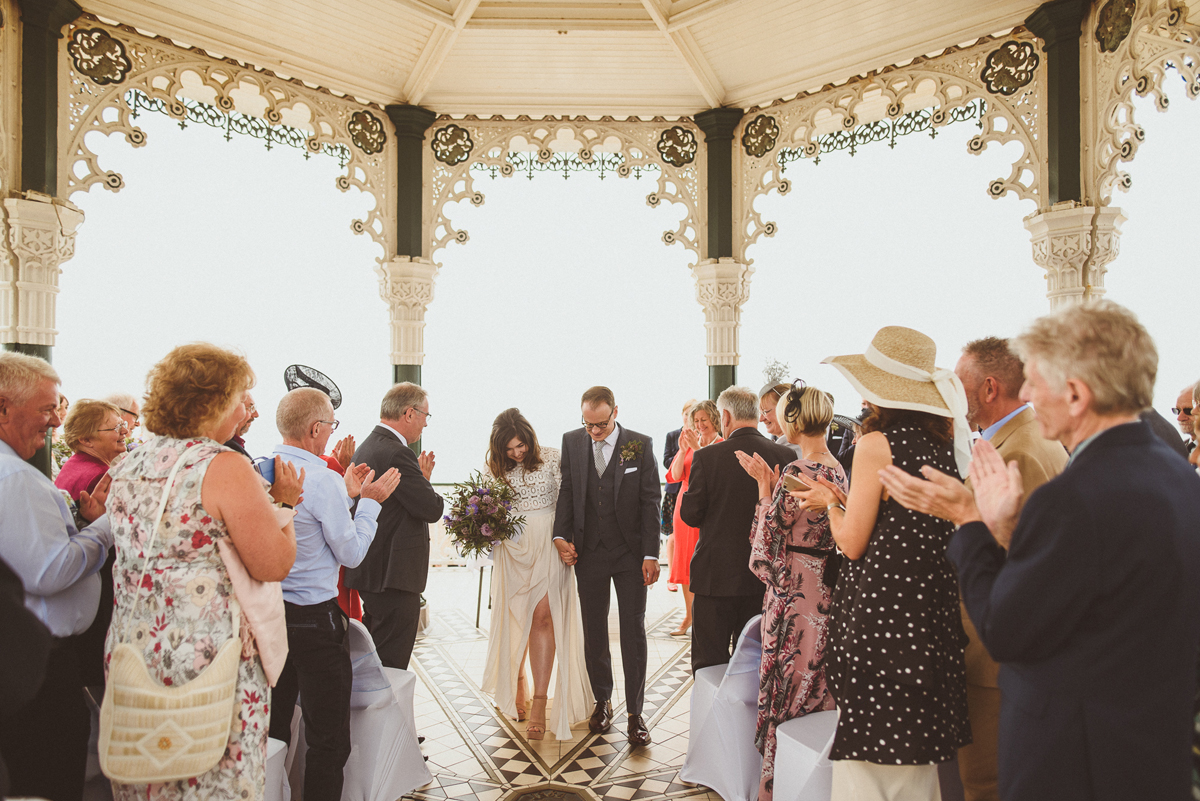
[{"x": 992, "y": 376}]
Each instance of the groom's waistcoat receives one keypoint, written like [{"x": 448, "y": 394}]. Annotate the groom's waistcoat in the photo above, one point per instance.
[{"x": 600, "y": 513}]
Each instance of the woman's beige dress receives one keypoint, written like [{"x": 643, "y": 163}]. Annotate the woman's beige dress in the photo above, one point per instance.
[{"x": 526, "y": 570}]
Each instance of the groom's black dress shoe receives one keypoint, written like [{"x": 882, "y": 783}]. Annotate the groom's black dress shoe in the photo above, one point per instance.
[
  {"x": 601, "y": 720},
  {"x": 638, "y": 733}
]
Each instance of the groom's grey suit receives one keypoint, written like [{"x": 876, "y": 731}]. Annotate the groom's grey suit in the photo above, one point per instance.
[{"x": 612, "y": 520}]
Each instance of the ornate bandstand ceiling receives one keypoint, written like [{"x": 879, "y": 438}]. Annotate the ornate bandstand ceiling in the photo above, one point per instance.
[{"x": 554, "y": 57}]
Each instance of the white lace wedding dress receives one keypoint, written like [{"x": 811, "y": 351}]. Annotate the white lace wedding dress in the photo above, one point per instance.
[{"x": 524, "y": 572}]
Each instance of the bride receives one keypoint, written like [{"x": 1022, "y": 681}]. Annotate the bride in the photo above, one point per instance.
[{"x": 535, "y": 610}]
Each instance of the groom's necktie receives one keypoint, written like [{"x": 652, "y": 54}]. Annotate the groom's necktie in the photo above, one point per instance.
[{"x": 600, "y": 463}]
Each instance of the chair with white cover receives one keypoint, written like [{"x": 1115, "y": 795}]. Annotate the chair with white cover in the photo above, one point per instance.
[
  {"x": 385, "y": 758},
  {"x": 723, "y": 719},
  {"x": 803, "y": 771},
  {"x": 277, "y": 788}
]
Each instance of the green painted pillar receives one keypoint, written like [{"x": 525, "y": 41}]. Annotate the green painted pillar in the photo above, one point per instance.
[
  {"x": 1060, "y": 25},
  {"x": 406, "y": 372},
  {"x": 718, "y": 125}
]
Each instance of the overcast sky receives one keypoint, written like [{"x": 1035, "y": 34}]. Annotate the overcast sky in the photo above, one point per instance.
[{"x": 566, "y": 283}]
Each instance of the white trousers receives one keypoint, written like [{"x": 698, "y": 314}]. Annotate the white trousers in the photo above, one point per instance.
[{"x": 854, "y": 780}]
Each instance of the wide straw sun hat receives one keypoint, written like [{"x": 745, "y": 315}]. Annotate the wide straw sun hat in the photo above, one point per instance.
[{"x": 898, "y": 371}]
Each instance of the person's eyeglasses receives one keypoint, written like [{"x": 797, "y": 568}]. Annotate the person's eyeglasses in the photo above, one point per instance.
[
  {"x": 134, "y": 415},
  {"x": 1177, "y": 412},
  {"x": 251, "y": 408},
  {"x": 418, "y": 411},
  {"x": 121, "y": 426},
  {"x": 595, "y": 426},
  {"x": 333, "y": 424}
]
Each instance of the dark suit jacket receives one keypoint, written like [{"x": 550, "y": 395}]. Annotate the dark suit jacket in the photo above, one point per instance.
[
  {"x": 398, "y": 558},
  {"x": 720, "y": 501},
  {"x": 1165, "y": 431},
  {"x": 635, "y": 489},
  {"x": 670, "y": 448},
  {"x": 1094, "y": 617}
]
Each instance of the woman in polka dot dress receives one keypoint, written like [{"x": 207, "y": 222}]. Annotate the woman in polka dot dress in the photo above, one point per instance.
[{"x": 896, "y": 669}]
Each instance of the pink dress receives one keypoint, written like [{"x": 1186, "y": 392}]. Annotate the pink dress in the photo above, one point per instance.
[{"x": 795, "y": 610}]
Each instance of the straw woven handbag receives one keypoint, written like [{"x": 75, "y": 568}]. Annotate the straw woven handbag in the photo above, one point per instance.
[{"x": 150, "y": 733}]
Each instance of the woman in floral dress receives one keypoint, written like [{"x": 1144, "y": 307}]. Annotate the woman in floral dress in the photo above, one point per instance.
[
  {"x": 180, "y": 615},
  {"x": 789, "y": 550}
]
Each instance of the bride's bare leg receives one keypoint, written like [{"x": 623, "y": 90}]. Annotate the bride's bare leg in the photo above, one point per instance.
[
  {"x": 521, "y": 703},
  {"x": 541, "y": 659}
]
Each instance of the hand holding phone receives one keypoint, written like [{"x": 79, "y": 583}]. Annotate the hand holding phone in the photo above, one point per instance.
[{"x": 795, "y": 484}]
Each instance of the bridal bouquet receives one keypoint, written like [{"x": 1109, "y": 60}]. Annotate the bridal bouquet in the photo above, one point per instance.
[{"x": 481, "y": 515}]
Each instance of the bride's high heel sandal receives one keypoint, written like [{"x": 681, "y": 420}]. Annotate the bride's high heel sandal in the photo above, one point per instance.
[
  {"x": 520, "y": 709},
  {"x": 536, "y": 729}
]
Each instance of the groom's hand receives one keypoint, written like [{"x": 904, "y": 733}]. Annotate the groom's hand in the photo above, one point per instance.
[
  {"x": 566, "y": 551},
  {"x": 650, "y": 571}
]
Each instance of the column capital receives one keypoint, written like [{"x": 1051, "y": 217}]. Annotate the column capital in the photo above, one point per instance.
[
  {"x": 411, "y": 122},
  {"x": 719, "y": 124},
  {"x": 722, "y": 286},
  {"x": 406, "y": 284},
  {"x": 41, "y": 236},
  {"x": 1074, "y": 244},
  {"x": 1058, "y": 21}
]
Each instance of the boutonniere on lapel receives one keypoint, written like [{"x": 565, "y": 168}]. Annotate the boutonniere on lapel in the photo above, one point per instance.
[{"x": 632, "y": 451}]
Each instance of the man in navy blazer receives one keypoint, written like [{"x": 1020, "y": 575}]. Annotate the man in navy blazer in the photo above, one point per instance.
[
  {"x": 1093, "y": 612},
  {"x": 606, "y": 524}
]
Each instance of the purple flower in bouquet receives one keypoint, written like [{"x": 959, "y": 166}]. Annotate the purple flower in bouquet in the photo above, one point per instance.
[
  {"x": 484, "y": 491},
  {"x": 474, "y": 499},
  {"x": 486, "y": 530}
]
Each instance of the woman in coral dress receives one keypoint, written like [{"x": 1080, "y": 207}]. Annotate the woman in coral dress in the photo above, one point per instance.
[{"x": 704, "y": 418}]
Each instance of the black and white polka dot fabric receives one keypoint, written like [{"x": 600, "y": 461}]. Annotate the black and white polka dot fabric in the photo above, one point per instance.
[{"x": 895, "y": 631}]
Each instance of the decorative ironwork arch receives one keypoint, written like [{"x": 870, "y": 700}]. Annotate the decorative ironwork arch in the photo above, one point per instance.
[
  {"x": 461, "y": 147},
  {"x": 1007, "y": 73},
  {"x": 106, "y": 66},
  {"x": 1158, "y": 35}
]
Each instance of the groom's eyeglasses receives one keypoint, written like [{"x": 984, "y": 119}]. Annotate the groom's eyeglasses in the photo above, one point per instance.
[{"x": 596, "y": 426}]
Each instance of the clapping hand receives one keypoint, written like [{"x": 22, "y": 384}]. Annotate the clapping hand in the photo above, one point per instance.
[
  {"x": 357, "y": 475},
  {"x": 936, "y": 494},
  {"x": 426, "y": 460},
  {"x": 998, "y": 491},
  {"x": 344, "y": 452},
  {"x": 381, "y": 488},
  {"x": 91, "y": 504},
  {"x": 822, "y": 495},
  {"x": 566, "y": 551},
  {"x": 689, "y": 439},
  {"x": 766, "y": 476},
  {"x": 288, "y": 487}
]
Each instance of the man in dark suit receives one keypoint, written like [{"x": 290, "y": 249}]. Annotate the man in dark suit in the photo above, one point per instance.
[
  {"x": 392, "y": 576},
  {"x": 1093, "y": 612},
  {"x": 720, "y": 501},
  {"x": 606, "y": 524}
]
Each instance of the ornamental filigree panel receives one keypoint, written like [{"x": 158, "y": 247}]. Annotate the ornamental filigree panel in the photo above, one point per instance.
[
  {"x": 1131, "y": 50},
  {"x": 1007, "y": 73},
  {"x": 106, "y": 70},
  {"x": 458, "y": 148}
]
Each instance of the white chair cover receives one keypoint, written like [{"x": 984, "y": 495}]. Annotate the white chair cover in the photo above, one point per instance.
[
  {"x": 723, "y": 719},
  {"x": 385, "y": 759},
  {"x": 803, "y": 771},
  {"x": 277, "y": 781}
]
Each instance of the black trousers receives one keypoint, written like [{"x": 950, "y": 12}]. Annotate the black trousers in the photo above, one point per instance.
[
  {"x": 392, "y": 617},
  {"x": 318, "y": 669},
  {"x": 593, "y": 573},
  {"x": 717, "y": 621},
  {"x": 45, "y": 743}
]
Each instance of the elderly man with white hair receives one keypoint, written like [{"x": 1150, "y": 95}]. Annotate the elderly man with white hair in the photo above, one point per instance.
[
  {"x": 721, "y": 501},
  {"x": 45, "y": 742},
  {"x": 1089, "y": 595},
  {"x": 327, "y": 536}
]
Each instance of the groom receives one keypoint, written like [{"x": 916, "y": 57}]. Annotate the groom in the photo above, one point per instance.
[{"x": 606, "y": 524}]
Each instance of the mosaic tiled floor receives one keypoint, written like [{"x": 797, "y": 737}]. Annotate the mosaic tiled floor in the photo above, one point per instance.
[{"x": 475, "y": 752}]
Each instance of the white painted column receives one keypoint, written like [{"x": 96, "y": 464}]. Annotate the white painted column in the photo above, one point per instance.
[
  {"x": 1074, "y": 244},
  {"x": 722, "y": 286},
  {"x": 41, "y": 236},
  {"x": 406, "y": 284}
]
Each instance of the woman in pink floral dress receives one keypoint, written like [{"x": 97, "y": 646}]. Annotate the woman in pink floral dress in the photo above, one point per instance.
[
  {"x": 790, "y": 549},
  {"x": 180, "y": 616}
]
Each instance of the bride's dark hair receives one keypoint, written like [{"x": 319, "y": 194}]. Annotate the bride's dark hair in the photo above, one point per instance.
[{"x": 511, "y": 423}]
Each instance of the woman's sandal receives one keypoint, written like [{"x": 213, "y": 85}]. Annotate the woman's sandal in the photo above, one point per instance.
[
  {"x": 536, "y": 729},
  {"x": 520, "y": 709}
]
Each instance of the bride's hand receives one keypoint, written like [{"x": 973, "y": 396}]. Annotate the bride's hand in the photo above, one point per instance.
[{"x": 566, "y": 551}]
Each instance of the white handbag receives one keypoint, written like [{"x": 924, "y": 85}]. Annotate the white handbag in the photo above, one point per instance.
[{"x": 150, "y": 733}]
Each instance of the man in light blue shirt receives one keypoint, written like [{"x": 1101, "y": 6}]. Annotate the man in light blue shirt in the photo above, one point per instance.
[
  {"x": 327, "y": 536},
  {"x": 45, "y": 743}
]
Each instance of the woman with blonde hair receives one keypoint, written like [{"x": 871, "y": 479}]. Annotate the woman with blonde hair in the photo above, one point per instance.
[
  {"x": 704, "y": 431},
  {"x": 792, "y": 552},
  {"x": 181, "y": 613},
  {"x": 535, "y": 609}
]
